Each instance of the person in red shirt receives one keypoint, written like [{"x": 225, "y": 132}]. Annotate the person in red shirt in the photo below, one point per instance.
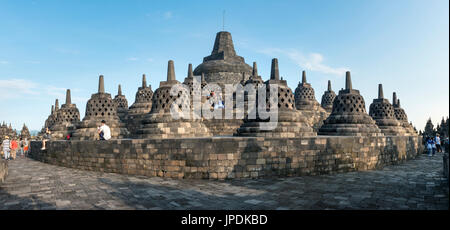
[{"x": 14, "y": 146}]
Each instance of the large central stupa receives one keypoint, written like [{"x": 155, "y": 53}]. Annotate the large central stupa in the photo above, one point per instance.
[{"x": 223, "y": 66}]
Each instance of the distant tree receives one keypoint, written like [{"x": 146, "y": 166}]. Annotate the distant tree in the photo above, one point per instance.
[{"x": 429, "y": 129}]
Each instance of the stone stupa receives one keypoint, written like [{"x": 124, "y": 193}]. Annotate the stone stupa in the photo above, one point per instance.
[
  {"x": 66, "y": 119},
  {"x": 160, "y": 122},
  {"x": 305, "y": 101},
  {"x": 100, "y": 107},
  {"x": 349, "y": 116},
  {"x": 383, "y": 113},
  {"x": 140, "y": 108},
  {"x": 401, "y": 116},
  {"x": 328, "y": 98},
  {"x": 25, "y": 133},
  {"x": 223, "y": 66},
  {"x": 290, "y": 122},
  {"x": 122, "y": 104}
]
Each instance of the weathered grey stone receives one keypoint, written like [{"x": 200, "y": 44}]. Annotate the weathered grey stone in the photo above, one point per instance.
[
  {"x": 305, "y": 101},
  {"x": 141, "y": 107},
  {"x": 328, "y": 98},
  {"x": 122, "y": 104},
  {"x": 401, "y": 116},
  {"x": 3, "y": 170},
  {"x": 383, "y": 113},
  {"x": 100, "y": 107},
  {"x": 290, "y": 121},
  {"x": 66, "y": 119},
  {"x": 223, "y": 66},
  {"x": 160, "y": 123},
  {"x": 349, "y": 117}
]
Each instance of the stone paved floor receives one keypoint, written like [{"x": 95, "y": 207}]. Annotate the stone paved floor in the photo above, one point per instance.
[{"x": 416, "y": 184}]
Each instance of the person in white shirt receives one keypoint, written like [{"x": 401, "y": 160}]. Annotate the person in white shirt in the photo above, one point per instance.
[
  {"x": 104, "y": 131},
  {"x": 437, "y": 139}
]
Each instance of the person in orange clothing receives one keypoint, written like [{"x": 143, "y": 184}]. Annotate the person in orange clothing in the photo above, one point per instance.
[{"x": 14, "y": 146}]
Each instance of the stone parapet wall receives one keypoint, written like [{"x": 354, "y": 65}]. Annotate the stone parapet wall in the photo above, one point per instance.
[
  {"x": 3, "y": 170},
  {"x": 230, "y": 157}
]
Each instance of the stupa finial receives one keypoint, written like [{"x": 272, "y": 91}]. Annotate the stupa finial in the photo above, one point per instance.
[
  {"x": 170, "y": 71},
  {"x": 394, "y": 99},
  {"x": 144, "y": 81},
  {"x": 274, "y": 72},
  {"x": 53, "y": 110},
  {"x": 329, "y": 85},
  {"x": 119, "y": 90},
  {"x": 303, "y": 77},
  {"x": 101, "y": 84},
  {"x": 398, "y": 103},
  {"x": 255, "y": 70},
  {"x": 348, "y": 80},
  {"x": 190, "y": 73},
  {"x": 380, "y": 91},
  {"x": 68, "y": 97},
  {"x": 56, "y": 105}
]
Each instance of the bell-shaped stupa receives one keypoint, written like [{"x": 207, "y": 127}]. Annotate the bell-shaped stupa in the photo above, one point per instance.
[
  {"x": 223, "y": 66},
  {"x": 285, "y": 121},
  {"x": 122, "y": 104},
  {"x": 305, "y": 101},
  {"x": 66, "y": 120},
  {"x": 140, "y": 108},
  {"x": 328, "y": 98},
  {"x": 349, "y": 116},
  {"x": 383, "y": 113},
  {"x": 100, "y": 107},
  {"x": 170, "y": 106},
  {"x": 25, "y": 133},
  {"x": 401, "y": 116}
]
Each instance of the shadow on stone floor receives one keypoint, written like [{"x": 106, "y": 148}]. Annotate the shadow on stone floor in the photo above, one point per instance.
[
  {"x": 15, "y": 202},
  {"x": 144, "y": 195}
]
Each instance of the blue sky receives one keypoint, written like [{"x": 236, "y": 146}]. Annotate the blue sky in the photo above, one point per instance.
[{"x": 48, "y": 46}]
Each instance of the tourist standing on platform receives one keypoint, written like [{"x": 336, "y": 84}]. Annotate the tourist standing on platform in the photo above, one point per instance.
[
  {"x": 104, "y": 131},
  {"x": 14, "y": 147},
  {"x": 429, "y": 146},
  {"x": 25, "y": 147},
  {"x": 47, "y": 137},
  {"x": 433, "y": 145},
  {"x": 437, "y": 140},
  {"x": 21, "y": 147},
  {"x": 6, "y": 146}
]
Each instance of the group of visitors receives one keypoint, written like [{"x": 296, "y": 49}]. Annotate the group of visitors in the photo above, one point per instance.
[
  {"x": 215, "y": 100},
  {"x": 103, "y": 131},
  {"x": 434, "y": 144},
  {"x": 10, "y": 148}
]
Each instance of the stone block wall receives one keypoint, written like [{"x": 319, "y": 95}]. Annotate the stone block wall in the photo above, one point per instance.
[
  {"x": 445, "y": 158},
  {"x": 3, "y": 170},
  {"x": 230, "y": 157}
]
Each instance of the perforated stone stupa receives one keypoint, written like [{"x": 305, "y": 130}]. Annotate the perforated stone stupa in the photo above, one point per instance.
[
  {"x": 328, "y": 98},
  {"x": 401, "y": 116},
  {"x": 160, "y": 123},
  {"x": 122, "y": 104},
  {"x": 51, "y": 119},
  {"x": 66, "y": 119},
  {"x": 140, "y": 108},
  {"x": 25, "y": 133},
  {"x": 349, "y": 116},
  {"x": 305, "y": 101},
  {"x": 383, "y": 113},
  {"x": 223, "y": 66},
  {"x": 100, "y": 107},
  {"x": 290, "y": 122}
]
